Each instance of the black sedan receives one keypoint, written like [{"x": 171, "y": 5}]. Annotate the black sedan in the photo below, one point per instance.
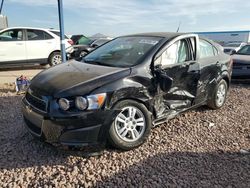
[
  {"x": 118, "y": 92},
  {"x": 241, "y": 63}
]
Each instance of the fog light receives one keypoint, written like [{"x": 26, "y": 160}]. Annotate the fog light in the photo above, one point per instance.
[{"x": 64, "y": 104}]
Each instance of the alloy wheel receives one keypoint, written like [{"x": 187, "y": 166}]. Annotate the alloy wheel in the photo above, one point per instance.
[
  {"x": 221, "y": 95},
  {"x": 130, "y": 124},
  {"x": 57, "y": 59}
]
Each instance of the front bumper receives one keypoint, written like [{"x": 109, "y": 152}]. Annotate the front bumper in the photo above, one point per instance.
[{"x": 87, "y": 128}]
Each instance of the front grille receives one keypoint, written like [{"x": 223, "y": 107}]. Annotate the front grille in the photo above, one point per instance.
[{"x": 36, "y": 102}]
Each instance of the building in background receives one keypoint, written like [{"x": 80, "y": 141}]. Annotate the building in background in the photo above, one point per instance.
[
  {"x": 3, "y": 22},
  {"x": 225, "y": 37}
]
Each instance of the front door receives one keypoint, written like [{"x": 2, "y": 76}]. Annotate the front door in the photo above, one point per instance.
[
  {"x": 179, "y": 63},
  {"x": 12, "y": 46}
]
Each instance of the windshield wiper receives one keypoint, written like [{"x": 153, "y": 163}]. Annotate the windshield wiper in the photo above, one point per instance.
[{"x": 97, "y": 62}]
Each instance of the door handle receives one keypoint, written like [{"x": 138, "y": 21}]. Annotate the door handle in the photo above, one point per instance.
[{"x": 19, "y": 43}]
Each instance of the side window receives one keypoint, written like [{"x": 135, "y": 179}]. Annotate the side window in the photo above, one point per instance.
[
  {"x": 176, "y": 53},
  {"x": 206, "y": 49},
  {"x": 37, "y": 35},
  {"x": 12, "y": 35}
]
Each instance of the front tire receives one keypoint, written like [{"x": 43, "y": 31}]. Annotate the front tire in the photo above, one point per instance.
[
  {"x": 55, "y": 58},
  {"x": 131, "y": 126},
  {"x": 219, "y": 95}
]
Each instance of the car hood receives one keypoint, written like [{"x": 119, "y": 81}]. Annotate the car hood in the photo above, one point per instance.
[
  {"x": 75, "y": 78},
  {"x": 241, "y": 58}
]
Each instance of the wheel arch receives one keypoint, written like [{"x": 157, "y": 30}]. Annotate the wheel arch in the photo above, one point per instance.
[
  {"x": 145, "y": 103},
  {"x": 225, "y": 76},
  {"x": 51, "y": 54}
]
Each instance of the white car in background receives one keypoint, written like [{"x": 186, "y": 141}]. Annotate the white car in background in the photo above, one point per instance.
[{"x": 21, "y": 46}]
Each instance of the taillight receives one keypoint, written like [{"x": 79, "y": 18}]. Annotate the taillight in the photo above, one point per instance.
[{"x": 70, "y": 42}]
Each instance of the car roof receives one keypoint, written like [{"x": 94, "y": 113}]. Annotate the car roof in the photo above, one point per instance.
[
  {"x": 158, "y": 34},
  {"x": 47, "y": 29}
]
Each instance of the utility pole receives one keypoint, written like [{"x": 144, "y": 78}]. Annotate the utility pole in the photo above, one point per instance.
[
  {"x": 1, "y": 8},
  {"x": 61, "y": 25}
]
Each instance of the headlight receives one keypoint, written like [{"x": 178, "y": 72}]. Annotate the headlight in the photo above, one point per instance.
[
  {"x": 81, "y": 103},
  {"x": 64, "y": 104},
  {"x": 96, "y": 101}
]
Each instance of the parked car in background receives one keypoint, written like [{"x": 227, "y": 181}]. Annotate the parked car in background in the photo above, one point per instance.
[
  {"x": 232, "y": 47},
  {"x": 80, "y": 49},
  {"x": 80, "y": 40},
  {"x": 124, "y": 87},
  {"x": 241, "y": 62},
  {"x": 20, "y": 46}
]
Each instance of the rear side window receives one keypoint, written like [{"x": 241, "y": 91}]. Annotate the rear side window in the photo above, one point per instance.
[
  {"x": 206, "y": 49},
  {"x": 12, "y": 35},
  {"x": 38, "y": 35}
]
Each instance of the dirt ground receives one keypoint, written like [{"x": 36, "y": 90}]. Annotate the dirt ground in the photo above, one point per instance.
[
  {"x": 200, "y": 148},
  {"x": 9, "y": 75}
]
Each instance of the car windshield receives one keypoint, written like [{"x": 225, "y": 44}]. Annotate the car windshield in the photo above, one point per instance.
[
  {"x": 244, "y": 50},
  {"x": 122, "y": 52}
]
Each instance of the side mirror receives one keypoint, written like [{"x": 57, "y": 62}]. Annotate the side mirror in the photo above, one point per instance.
[{"x": 164, "y": 80}]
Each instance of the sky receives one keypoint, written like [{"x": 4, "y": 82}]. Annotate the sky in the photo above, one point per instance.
[{"x": 120, "y": 17}]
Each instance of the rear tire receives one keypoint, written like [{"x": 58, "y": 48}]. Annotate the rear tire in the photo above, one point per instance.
[
  {"x": 131, "y": 126},
  {"x": 219, "y": 95},
  {"x": 55, "y": 58}
]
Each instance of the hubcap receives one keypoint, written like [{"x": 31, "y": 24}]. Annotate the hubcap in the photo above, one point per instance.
[
  {"x": 221, "y": 94},
  {"x": 57, "y": 59},
  {"x": 130, "y": 124}
]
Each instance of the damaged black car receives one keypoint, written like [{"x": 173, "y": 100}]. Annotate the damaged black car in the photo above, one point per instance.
[{"x": 118, "y": 92}]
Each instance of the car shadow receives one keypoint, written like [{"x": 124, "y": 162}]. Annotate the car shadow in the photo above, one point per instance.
[{"x": 185, "y": 169}]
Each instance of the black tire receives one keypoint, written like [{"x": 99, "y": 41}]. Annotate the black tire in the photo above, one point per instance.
[
  {"x": 116, "y": 140},
  {"x": 213, "y": 101},
  {"x": 54, "y": 57}
]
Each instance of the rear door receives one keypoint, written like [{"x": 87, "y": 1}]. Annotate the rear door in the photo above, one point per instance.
[
  {"x": 210, "y": 66},
  {"x": 179, "y": 62},
  {"x": 12, "y": 46},
  {"x": 39, "y": 45}
]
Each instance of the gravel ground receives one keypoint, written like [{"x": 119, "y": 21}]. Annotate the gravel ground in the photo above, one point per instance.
[{"x": 200, "y": 148}]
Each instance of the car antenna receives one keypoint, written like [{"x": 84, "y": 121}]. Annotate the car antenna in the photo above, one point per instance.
[{"x": 178, "y": 27}]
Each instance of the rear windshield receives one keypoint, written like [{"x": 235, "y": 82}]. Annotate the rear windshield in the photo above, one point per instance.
[{"x": 58, "y": 34}]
